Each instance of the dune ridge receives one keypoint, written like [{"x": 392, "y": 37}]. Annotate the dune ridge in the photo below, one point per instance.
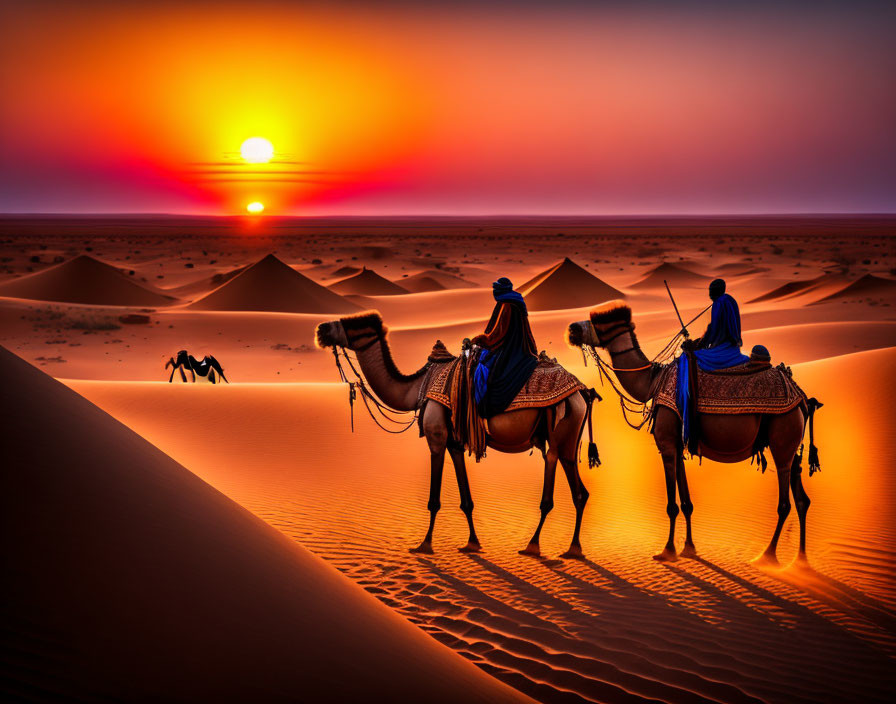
[
  {"x": 271, "y": 285},
  {"x": 566, "y": 285},
  {"x": 868, "y": 286},
  {"x": 126, "y": 576},
  {"x": 674, "y": 274},
  {"x": 84, "y": 280},
  {"x": 366, "y": 283}
]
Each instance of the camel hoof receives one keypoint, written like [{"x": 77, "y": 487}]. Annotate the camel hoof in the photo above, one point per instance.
[
  {"x": 574, "y": 553},
  {"x": 802, "y": 562},
  {"x": 532, "y": 550},
  {"x": 424, "y": 548},
  {"x": 667, "y": 555},
  {"x": 689, "y": 552},
  {"x": 472, "y": 546},
  {"x": 767, "y": 559}
]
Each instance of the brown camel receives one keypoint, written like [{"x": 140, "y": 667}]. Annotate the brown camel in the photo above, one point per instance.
[
  {"x": 365, "y": 334},
  {"x": 724, "y": 438}
]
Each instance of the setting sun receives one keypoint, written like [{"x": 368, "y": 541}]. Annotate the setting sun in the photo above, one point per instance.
[
  {"x": 255, "y": 208},
  {"x": 257, "y": 150}
]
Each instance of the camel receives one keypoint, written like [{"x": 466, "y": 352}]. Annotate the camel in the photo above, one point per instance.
[
  {"x": 509, "y": 432},
  {"x": 205, "y": 367},
  {"x": 725, "y": 438}
]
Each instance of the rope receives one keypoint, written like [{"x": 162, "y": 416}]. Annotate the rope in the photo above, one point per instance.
[
  {"x": 628, "y": 404},
  {"x": 385, "y": 413}
]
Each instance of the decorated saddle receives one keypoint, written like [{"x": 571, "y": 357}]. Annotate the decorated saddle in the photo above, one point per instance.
[
  {"x": 450, "y": 383},
  {"x": 746, "y": 388},
  {"x": 548, "y": 385}
]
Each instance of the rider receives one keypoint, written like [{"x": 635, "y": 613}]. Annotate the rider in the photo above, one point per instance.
[
  {"x": 718, "y": 348},
  {"x": 508, "y": 352}
]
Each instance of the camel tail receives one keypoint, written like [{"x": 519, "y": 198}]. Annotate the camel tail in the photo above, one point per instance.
[
  {"x": 814, "y": 464},
  {"x": 593, "y": 457}
]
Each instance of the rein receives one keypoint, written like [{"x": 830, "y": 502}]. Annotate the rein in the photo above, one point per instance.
[
  {"x": 626, "y": 402},
  {"x": 378, "y": 411}
]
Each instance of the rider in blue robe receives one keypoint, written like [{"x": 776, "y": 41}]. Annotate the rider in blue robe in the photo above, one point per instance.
[
  {"x": 719, "y": 348},
  {"x": 508, "y": 352}
]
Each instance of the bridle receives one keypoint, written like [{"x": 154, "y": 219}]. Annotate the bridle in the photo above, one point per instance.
[
  {"x": 614, "y": 332},
  {"x": 378, "y": 411}
]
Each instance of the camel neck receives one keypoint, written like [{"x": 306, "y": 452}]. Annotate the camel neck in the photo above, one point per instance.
[
  {"x": 626, "y": 353},
  {"x": 391, "y": 387}
]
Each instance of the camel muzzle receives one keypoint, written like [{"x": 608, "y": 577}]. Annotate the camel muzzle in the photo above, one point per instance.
[{"x": 577, "y": 334}]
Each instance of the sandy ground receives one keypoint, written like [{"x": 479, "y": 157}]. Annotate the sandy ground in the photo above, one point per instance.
[{"x": 618, "y": 627}]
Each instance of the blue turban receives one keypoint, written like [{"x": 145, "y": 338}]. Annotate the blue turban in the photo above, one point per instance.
[{"x": 503, "y": 292}]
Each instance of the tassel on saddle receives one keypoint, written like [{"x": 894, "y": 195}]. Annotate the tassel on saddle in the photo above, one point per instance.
[
  {"x": 593, "y": 457},
  {"x": 814, "y": 463}
]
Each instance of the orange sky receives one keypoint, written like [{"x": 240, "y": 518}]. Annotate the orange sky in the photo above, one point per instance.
[{"x": 479, "y": 109}]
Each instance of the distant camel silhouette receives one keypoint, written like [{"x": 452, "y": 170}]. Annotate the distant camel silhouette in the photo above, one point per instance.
[
  {"x": 724, "y": 438},
  {"x": 511, "y": 431},
  {"x": 207, "y": 367}
]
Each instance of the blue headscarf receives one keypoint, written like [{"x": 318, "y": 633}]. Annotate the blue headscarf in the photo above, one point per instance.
[{"x": 503, "y": 292}]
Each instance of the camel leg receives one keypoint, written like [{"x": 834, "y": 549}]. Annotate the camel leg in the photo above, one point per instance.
[
  {"x": 784, "y": 435},
  {"x": 670, "y": 462},
  {"x": 182, "y": 374},
  {"x": 466, "y": 496},
  {"x": 801, "y": 499},
  {"x": 436, "y": 431},
  {"x": 769, "y": 557},
  {"x": 687, "y": 508},
  {"x": 579, "y": 499},
  {"x": 547, "y": 501},
  {"x": 173, "y": 368}
]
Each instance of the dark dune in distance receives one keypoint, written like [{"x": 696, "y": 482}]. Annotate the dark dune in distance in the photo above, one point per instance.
[
  {"x": 271, "y": 285},
  {"x": 366, "y": 283},
  {"x": 84, "y": 280}
]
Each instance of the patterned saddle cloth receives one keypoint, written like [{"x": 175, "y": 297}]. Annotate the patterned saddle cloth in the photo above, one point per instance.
[
  {"x": 548, "y": 385},
  {"x": 747, "y": 388}
]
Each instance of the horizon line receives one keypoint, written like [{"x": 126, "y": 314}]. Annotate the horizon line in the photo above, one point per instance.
[{"x": 468, "y": 216}]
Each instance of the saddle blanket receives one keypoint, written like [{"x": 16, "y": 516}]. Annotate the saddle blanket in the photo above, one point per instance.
[
  {"x": 548, "y": 385},
  {"x": 736, "y": 390}
]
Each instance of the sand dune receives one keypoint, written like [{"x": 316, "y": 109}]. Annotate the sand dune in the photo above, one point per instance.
[
  {"x": 84, "y": 280},
  {"x": 674, "y": 274},
  {"x": 445, "y": 279},
  {"x": 366, "y": 283},
  {"x": 566, "y": 285},
  {"x": 344, "y": 271},
  {"x": 421, "y": 283},
  {"x": 740, "y": 269},
  {"x": 271, "y": 285},
  {"x": 867, "y": 287},
  {"x": 205, "y": 284},
  {"x": 792, "y": 289},
  {"x": 618, "y": 627},
  {"x": 128, "y": 578}
]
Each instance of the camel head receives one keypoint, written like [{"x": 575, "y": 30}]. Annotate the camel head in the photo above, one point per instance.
[
  {"x": 352, "y": 332},
  {"x": 608, "y": 321}
]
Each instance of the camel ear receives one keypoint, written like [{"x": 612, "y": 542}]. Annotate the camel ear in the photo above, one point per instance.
[{"x": 611, "y": 312}]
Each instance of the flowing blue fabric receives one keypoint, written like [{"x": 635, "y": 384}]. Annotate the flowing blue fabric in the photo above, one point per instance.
[
  {"x": 724, "y": 325},
  {"x": 480, "y": 375},
  {"x": 720, "y": 357}
]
